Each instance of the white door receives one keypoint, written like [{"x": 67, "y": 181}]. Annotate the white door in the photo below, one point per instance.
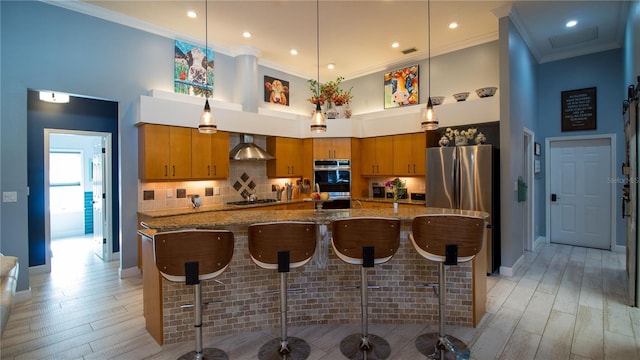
[
  {"x": 100, "y": 247},
  {"x": 580, "y": 187}
]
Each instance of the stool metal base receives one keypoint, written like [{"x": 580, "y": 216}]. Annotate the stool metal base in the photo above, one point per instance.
[
  {"x": 430, "y": 346},
  {"x": 298, "y": 350},
  {"x": 355, "y": 347},
  {"x": 207, "y": 354}
]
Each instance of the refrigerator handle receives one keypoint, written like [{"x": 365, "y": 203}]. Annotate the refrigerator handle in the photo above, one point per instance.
[{"x": 456, "y": 183}]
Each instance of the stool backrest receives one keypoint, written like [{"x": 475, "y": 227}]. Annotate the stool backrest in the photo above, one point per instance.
[
  {"x": 267, "y": 239},
  {"x": 431, "y": 233},
  {"x": 212, "y": 249},
  {"x": 350, "y": 235}
]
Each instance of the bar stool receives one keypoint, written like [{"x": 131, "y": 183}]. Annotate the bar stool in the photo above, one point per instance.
[
  {"x": 365, "y": 241},
  {"x": 191, "y": 256},
  {"x": 283, "y": 246},
  {"x": 447, "y": 240}
]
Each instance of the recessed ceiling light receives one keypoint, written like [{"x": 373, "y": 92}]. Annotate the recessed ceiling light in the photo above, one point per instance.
[
  {"x": 192, "y": 14},
  {"x": 294, "y": 52},
  {"x": 453, "y": 25},
  {"x": 331, "y": 66},
  {"x": 571, "y": 23},
  {"x": 395, "y": 45},
  {"x": 246, "y": 34}
]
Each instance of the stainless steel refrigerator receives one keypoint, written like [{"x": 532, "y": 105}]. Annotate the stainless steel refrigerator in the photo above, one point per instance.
[{"x": 467, "y": 178}]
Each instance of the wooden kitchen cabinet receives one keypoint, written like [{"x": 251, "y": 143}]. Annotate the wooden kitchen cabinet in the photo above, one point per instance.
[
  {"x": 376, "y": 205},
  {"x": 376, "y": 155},
  {"x": 209, "y": 155},
  {"x": 409, "y": 154},
  {"x": 164, "y": 152},
  {"x": 306, "y": 205},
  {"x": 288, "y": 157},
  {"x": 331, "y": 148}
]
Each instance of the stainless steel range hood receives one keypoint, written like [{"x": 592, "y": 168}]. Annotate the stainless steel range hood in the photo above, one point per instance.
[{"x": 247, "y": 150}]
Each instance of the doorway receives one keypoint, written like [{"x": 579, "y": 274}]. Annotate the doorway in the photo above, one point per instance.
[
  {"x": 580, "y": 191},
  {"x": 77, "y": 168}
]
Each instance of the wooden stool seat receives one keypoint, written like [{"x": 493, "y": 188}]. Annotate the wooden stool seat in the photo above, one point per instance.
[
  {"x": 190, "y": 256},
  {"x": 365, "y": 241},
  {"x": 283, "y": 246},
  {"x": 447, "y": 240}
]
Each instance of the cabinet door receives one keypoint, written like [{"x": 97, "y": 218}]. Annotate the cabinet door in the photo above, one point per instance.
[
  {"x": 419, "y": 145},
  {"x": 301, "y": 206},
  {"x": 288, "y": 157},
  {"x": 180, "y": 150},
  {"x": 201, "y": 164},
  {"x": 341, "y": 148},
  {"x": 209, "y": 155},
  {"x": 322, "y": 149},
  {"x": 384, "y": 155},
  {"x": 402, "y": 155},
  {"x": 220, "y": 155},
  {"x": 153, "y": 152},
  {"x": 368, "y": 156}
]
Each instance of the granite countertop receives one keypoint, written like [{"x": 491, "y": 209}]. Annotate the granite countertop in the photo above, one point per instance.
[
  {"x": 221, "y": 219},
  {"x": 390, "y": 200},
  {"x": 209, "y": 208}
]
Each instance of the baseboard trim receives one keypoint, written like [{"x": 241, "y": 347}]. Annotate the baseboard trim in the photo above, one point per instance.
[
  {"x": 39, "y": 269},
  {"x": 620, "y": 249},
  {"x": 23, "y": 295},
  {"x": 129, "y": 272},
  {"x": 538, "y": 242},
  {"x": 509, "y": 271}
]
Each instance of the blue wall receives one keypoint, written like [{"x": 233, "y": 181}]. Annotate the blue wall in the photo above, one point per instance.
[{"x": 602, "y": 70}]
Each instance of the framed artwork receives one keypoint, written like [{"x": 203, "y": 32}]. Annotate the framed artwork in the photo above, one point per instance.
[
  {"x": 401, "y": 87},
  {"x": 536, "y": 167},
  {"x": 536, "y": 149},
  {"x": 276, "y": 91},
  {"x": 192, "y": 70},
  {"x": 578, "y": 109}
]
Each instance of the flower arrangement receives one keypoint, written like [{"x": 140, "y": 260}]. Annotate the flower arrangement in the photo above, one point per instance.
[
  {"x": 395, "y": 185},
  {"x": 470, "y": 133},
  {"x": 329, "y": 92}
]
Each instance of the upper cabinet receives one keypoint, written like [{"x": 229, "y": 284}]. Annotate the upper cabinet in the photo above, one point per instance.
[
  {"x": 376, "y": 155},
  {"x": 331, "y": 148},
  {"x": 164, "y": 152},
  {"x": 288, "y": 157},
  {"x": 209, "y": 155},
  {"x": 409, "y": 154}
]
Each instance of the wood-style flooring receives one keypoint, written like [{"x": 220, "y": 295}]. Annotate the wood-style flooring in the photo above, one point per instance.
[{"x": 564, "y": 303}]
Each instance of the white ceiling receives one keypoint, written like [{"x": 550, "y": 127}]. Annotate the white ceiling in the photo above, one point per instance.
[{"x": 357, "y": 35}]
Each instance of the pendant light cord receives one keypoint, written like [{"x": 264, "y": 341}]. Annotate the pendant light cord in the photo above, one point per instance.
[
  {"x": 429, "y": 43},
  {"x": 206, "y": 47},
  {"x": 318, "y": 45}
]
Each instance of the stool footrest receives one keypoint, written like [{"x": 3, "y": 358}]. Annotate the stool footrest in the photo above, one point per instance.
[
  {"x": 185, "y": 306},
  {"x": 354, "y": 287},
  {"x": 289, "y": 291}
]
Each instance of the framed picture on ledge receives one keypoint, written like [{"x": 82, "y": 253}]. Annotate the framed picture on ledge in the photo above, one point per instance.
[{"x": 401, "y": 87}]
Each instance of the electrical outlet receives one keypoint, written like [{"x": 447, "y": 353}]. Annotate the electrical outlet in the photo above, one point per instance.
[
  {"x": 169, "y": 193},
  {"x": 10, "y": 196},
  {"x": 216, "y": 191}
]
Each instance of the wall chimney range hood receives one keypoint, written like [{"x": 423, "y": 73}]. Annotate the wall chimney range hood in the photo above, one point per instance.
[{"x": 247, "y": 150}]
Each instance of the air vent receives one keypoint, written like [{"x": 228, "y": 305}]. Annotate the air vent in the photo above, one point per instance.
[
  {"x": 574, "y": 37},
  {"x": 409, "y": 51}
]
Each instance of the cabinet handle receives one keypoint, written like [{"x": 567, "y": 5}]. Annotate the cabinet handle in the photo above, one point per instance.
[
  {"x": 373, "y": 169},
  {"x": 329, "y": 153},
  {"x": 215, "y": 170},
  {"x": 334, "y": 153},
  {"x": 174, "y": 170},
  {"x": 409, "y": 168},
  {"x": 166, "y": 171},
  {"x": 208, "y": 170},
  {"x": 414, "y": 168}
]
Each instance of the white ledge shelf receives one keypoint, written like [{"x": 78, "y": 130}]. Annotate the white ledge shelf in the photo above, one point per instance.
[{"x": 160, "y": 107}]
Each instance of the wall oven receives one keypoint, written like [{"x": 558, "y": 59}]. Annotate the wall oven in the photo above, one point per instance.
[{"x": 334, "y": 177}]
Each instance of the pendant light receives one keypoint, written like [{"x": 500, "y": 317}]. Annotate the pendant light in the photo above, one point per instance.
[
  {"x": 207, "y": 122},
  {"x": 318, "y": 123},
  {"x": 430, "y": 121}
]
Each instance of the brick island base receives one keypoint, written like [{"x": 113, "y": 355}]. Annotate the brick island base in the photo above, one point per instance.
[{"x": 248, "y": 300}]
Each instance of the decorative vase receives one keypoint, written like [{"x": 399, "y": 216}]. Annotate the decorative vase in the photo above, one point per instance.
[
  {"x": 480, "y": 139},
  {"x": 347, "y": 111},
  {"x": 395, "y": 207},
  {"x": 461, "y": 140},
  {"x": 444, "y": 141},
  {"x": 339, "y": 111},
  {"x": 331, "y": 113}
]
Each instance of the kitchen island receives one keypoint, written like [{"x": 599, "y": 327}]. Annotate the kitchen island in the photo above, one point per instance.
[{"x": 246, "y": 304}]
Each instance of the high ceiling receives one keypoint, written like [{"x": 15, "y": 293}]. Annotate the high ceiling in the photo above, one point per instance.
[{"x": 357, "y": 35}]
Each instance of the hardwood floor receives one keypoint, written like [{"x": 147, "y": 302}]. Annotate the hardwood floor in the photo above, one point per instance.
[{"x": 564, "y": 303}]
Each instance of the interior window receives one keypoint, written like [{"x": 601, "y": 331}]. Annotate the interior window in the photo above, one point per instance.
[{"x": 65, "y": 181}]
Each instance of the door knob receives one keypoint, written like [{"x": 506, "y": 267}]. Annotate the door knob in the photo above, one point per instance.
[{"x": 554, "y": 197}]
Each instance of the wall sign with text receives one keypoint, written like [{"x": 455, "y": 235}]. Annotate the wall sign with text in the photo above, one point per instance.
[{"x": 579, "y": 109}]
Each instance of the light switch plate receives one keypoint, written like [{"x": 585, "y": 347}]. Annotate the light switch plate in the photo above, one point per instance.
[{"x": 10, "y": 196}]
